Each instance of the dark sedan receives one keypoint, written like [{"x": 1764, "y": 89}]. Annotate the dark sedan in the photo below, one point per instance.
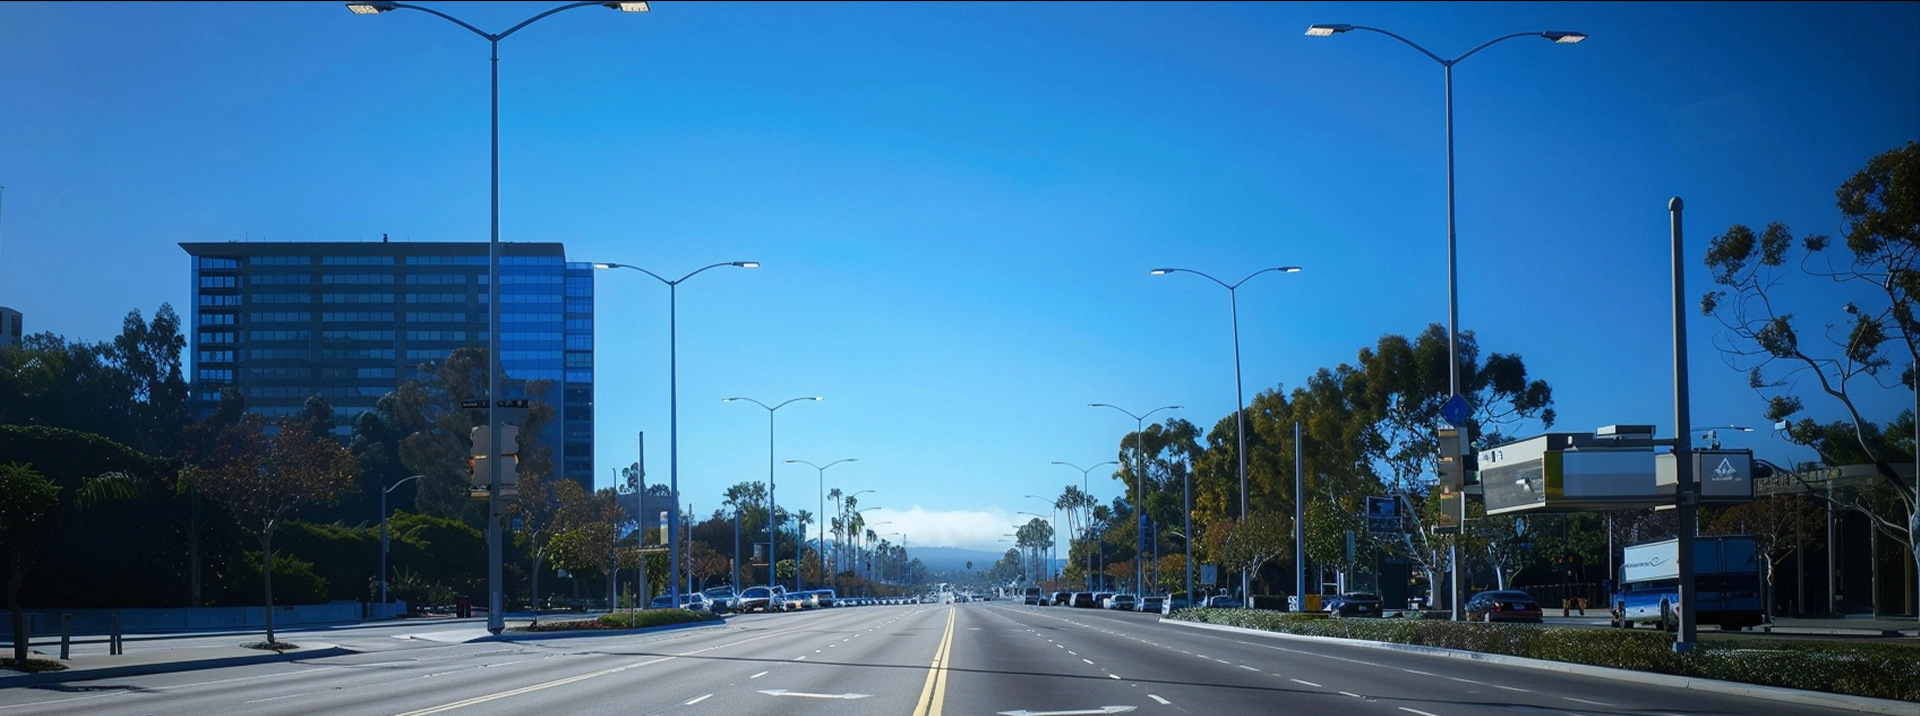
[
  {"x": 1507, "y": 605},
  {"x": 1354, "y": 604}
]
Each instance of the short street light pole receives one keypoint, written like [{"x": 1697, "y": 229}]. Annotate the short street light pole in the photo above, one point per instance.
[
  {"x": 822, "y": 551},
  {"x": 1239, "y": 413},
  {"x": 1453, "y": 283},
  {"x": 673, "y": 407},
  {"x": 773, "y": 509},
  {"x": 383, "y": 534},
  {"x": 1140, "y": 490},
  {"x": 496, "y": 603}
]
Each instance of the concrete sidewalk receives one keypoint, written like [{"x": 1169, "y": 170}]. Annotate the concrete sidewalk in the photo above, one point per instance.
[{"x": 152, "y": 658}]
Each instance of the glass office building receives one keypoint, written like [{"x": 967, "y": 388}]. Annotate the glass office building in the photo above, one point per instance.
[{"x": 282, "y": 322}]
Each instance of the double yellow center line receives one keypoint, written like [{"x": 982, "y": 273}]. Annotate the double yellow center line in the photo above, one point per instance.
[{"x": 934, "y": 693}]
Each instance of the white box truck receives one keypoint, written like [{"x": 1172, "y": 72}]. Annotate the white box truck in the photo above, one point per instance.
[{"x": 1726, "y": 577}]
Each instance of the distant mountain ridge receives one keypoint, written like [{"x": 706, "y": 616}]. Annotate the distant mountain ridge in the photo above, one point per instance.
[{"x": 953, "y": 559}]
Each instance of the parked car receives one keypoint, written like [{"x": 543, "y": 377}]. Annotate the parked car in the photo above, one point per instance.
[
  {"x": 825, "y": 598},
  {"x": 1151, "y": 604},
  {"x": 1508, "y": 605},
  {"x": 1083, "y": 600},
  {"x": 1031, "y": 596},
  {"x": 695, "y": 601},
  {"x": 1353, "y": 604},
  {"x": 1173, "y": 603},
  {"x": 722, "y": 599},
  {"x": 1100, "y": 599},
  {"x": 759, "y": 599},
  {"x": 1122, "y": 602},
  {"x": 1060, "y": 599},
  {"x": 1223, "y": 601}
]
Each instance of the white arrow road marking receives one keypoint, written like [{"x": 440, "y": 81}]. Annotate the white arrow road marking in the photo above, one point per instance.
[
  {"x": 1164, "y": 702},
  {"x": 804, "y": 695},
  {"x": 1083, "y": 712}
]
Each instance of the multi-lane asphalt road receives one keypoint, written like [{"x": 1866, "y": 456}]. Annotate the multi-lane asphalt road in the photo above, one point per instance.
[{"x": 927, "y": 660}]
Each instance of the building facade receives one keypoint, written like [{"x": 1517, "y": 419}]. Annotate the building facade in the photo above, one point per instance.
[
  {"x": 348, "y": 321},
  {"x": 11, "y": 328}
]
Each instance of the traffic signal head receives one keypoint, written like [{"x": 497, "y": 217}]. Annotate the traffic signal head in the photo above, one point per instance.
[{"x": 1452, "y": 469}]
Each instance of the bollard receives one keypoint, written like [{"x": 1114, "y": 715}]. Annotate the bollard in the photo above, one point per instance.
[
  {"x": 66, "y": 635},
  {"x": 113, "y": 642}
]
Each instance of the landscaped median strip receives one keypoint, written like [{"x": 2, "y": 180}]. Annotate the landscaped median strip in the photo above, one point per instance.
[{"x": 1885, "y": 679}]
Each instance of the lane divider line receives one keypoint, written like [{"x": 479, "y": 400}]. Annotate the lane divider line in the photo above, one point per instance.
[
  {"x": 934, "y": 692},
  {"x": 699, "y": 699},
  {"x": 1164, "y": 702}
]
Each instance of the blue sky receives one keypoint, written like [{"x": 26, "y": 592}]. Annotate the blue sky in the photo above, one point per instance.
[{"x": 956, "y": 204}]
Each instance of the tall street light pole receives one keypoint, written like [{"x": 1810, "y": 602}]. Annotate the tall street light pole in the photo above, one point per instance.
[
  {"x": 496, "y": 620},
  {"x": 822, "y": 469},
  {"x": 1239, "y": 413},
  {"x": 773, "y": 510},
  {"x": 1453, "y": 284},
  {"x": 673, "y": 405},
  {"x": 1139, "y": 490},
  {"x": 383, "y": 533},
  {"x": 1088, "y": 490}
]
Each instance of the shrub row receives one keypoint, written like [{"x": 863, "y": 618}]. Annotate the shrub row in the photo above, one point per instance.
[
  {"x": 628, "y": 620},
  {"x": 1875, "y": 670}
]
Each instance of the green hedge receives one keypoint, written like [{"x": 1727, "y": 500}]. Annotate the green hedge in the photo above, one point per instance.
[
  {"x": 1875, "y": 670},
  {"x": 629, "y": 620}
]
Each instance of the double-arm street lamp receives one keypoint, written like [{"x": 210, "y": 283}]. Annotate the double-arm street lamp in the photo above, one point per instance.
[
  {"x": 496, "y": 621},
  {"x": 773, "y": 508},
  {"x": 822, "y": 469},
  {"x": 383, "y": 533},
  {"x": 1239, "y": 414},
  {"x": 1086, "y": 488},
  {"x": 1453, "y": 284},
  {"x": 673, "y": 403},
  {"x": 1139, "y": 490}
]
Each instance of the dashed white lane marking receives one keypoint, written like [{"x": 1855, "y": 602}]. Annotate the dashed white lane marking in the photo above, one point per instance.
[
  {"x": 1513, "y": 688},
  {"x": 1113, "y": 676},
  {"x": 802, "y": 657},
  {"x": 1584, "y": 701},
  {"x": 1248, "y": 668},
  {"x": 756, "y": 676},
  {"x": 1089, "y": 663},
  {"x": 698, "y": 699},
  {"x": 1349, "y": 693},
  {"x": 1164, "y": 702},
  {"x": 1416, "y": 711},
  {"x": 275, "y": 698},
  {"x": 1309, "y": 683},
  {"x": 1075, "y": 653},
  {"x": 1417, "y": 671}
]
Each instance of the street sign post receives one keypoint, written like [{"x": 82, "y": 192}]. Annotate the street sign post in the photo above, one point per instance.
[{"x": 1456, "y": 411}]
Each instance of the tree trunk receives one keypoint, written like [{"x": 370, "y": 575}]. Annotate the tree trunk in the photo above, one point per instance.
[
  {"x": 16, "y": 576},
  {"x": 266, "y": 574}
]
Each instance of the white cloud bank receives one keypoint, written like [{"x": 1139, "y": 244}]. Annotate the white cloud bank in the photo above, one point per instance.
[{"x": 960, "y": 528}]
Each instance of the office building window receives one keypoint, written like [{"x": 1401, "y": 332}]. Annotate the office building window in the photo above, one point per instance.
[
  {"x": 437, "y": 278},
  {"x": 216, "y": 336},
  {"x": 436, "y": 335},
  {"x": 284, "y": 279},
  {"x": 577, "y": 342},
  {"x": 436, "y": 318},
  {"x": 447, "y": 260},
  {"x": 219, "y": 374},
  {"x": 279, "y": 317},
  {"x": 280, "y": 260},
  {"x": 214, "y": 262},
  {"x": 278, "y": 335},
  {"x": 259, "y": 298},
  {"x": 357, "y": 335},
  {"x": 380, "y": 316},
  {"x": 357, "y": 260},
  {"x": 219, "y": 281},
  {"x": 216, "y": 356},
  {"x": 277, "y": 354},
  {"x": 216, "y": 319},
  {"x": 216, "y": 300},
  {"x": 368, "y": 278},
  {"x": 436, "y": 298},
  {"x": 356, "y": 298}
]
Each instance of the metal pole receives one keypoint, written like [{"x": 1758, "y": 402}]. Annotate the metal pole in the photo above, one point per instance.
[
  {"x": 1240, "y": 430},
  {"x": 821, "y": 550},
  {"x": 496, "y": 601},
  {"x": 1140, "y": 508},
  {"x": 736, "y": 549},
  {"x": 1186, "y": 487},
  {"x": 383, "y": 548},
  {"x": 1683, "y": 443},
  {"x": 1453, "y": 334},
  {"x": 773, "y": 541},
  {"x": 1299, "y": 521},
  {"x": 673, "y": 438}
]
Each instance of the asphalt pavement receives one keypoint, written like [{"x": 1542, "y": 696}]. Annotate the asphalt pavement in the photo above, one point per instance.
[{"x": 922, "y": 660}]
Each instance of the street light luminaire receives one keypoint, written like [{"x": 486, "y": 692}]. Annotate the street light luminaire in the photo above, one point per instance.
[
  {"x": 369, "y": 8},
  {"x": 1327, "y": 30},
  {"x": 1564, "y": 38}
]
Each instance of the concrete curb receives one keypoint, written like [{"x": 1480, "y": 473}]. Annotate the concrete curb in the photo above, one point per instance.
[
  {"x": 1771, "y": 693},
  {"x": 577, "y": 633},
  {"x": 163, "y": 667}
]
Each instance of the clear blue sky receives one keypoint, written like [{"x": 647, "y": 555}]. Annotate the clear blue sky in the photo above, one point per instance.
[{"x": 957, "y": 204}]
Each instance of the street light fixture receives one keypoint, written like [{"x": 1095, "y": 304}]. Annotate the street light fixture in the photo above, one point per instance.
[
  {"x": 1086, "y": 488},
  {"x": 1453, "y": 284},
  {"x": 496, "y": 621},
  {"x": 1713, "y": 435},
  {"x": 1239, "y": 416},
  {"x": 1140, "y": 490},
  {"x": 823, "y": 516},
  {"x": 673, "y": 405},
  {"x": 383, "y": 534},
  {"x": 773, "y": 508}
]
